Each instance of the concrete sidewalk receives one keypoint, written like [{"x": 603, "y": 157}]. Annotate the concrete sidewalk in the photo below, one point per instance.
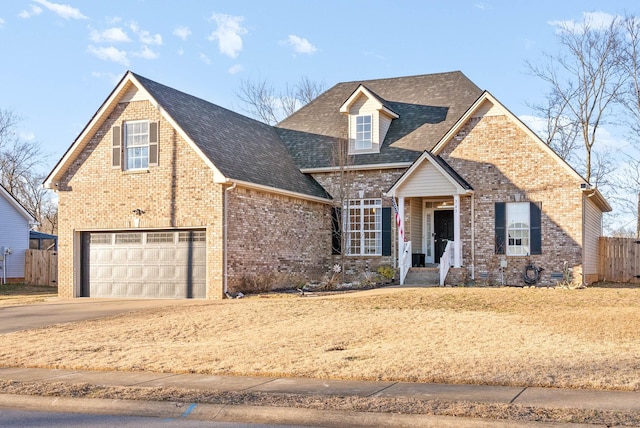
[{"x": 526, "y": 396}]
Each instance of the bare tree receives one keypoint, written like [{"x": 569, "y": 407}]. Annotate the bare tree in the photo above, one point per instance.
[
  {"x": 262, "y": 102},
  {"x": 342, "y": 193},
  {"x": 586, "y": 79},
  {"x": 561, "y": 133},
  {"x": 19, "y": 163},
  {"x": 630, "y": 97},
  {"x": 8, "y": 122},
  {"x": 629, "y": 180}
]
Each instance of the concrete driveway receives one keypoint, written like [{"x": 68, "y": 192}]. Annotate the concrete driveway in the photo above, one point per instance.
[{"x": 14, "y": 318}]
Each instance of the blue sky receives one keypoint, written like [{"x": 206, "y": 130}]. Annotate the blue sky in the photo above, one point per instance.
[{"x": 61, "y": 59}]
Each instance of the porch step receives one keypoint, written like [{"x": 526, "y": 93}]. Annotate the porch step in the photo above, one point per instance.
[{"x": 423, "y": 276}]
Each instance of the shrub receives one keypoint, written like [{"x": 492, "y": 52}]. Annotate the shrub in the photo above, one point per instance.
[{"x": 387, "y": 272}]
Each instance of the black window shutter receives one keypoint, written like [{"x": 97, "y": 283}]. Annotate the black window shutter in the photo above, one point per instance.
[
  {"x": 501, "y": 229},
  {"x": 386, "y": 231},
  {"x": 535, "y": 218},
  {"x": 153, "y": 143},
  {"x": 116, "y": 147},
  {"x": 336, "y": 233}
]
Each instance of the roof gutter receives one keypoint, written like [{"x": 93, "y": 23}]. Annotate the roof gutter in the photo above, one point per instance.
[
  {"x": 357, "y": 167},
  {"x": 596, "y": 196},
  {"x": 275, "y": 190}
]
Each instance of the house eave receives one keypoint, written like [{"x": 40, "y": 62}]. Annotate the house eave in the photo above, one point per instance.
[
  {"x": 598, "y": 198},
  {"x": 18, "y": 206},
  {"x": 269, "y": 189}
]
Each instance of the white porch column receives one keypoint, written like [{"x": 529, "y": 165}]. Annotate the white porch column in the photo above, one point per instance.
[
  {"x": 400, "y": 237},
  {"x": 457, "y": 244}
]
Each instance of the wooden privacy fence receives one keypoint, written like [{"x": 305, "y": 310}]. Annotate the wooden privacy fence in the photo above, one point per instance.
[
  {"x": 620, "y": 259},
  {"x": 41, "y": 267}
]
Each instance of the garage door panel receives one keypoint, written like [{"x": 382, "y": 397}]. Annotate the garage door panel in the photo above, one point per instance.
[
  {"x": 119, "y": 254},
  {"x": 134, "y": 254},
  {"x": 151, "y": 254},
  {"x": 169, "y": 254},
  {"x": 157, "y": 266}
]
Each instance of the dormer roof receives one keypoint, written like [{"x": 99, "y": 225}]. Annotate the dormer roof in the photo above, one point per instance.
[
  {"x": 362, "y": 90},
  {"x": 427, "y": 106}
]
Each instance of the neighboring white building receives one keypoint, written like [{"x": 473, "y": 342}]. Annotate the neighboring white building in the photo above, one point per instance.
[{"x": 15, "y": 223}]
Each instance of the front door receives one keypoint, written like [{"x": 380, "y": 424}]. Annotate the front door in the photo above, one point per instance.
[{"x": 442, "y": 230}]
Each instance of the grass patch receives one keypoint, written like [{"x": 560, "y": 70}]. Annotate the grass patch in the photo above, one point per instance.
[
  {"x": 21, "y": 294},
  {"x": 498, "y": 336}
]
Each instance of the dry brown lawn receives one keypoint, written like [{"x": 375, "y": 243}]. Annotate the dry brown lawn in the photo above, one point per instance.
[
  {"x": 586, "y": 338},
  {"x": 21, "y": 294}
]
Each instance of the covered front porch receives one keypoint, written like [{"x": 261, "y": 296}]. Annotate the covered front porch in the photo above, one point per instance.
[{"x": 429, "y": 197}]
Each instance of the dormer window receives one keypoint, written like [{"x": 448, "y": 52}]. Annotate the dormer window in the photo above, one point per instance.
[
  {"x": 363, "y": 133},
  {"x": 369, "y": 119}
]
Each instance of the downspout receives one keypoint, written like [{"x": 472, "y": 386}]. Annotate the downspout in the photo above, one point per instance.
[
  {"x": 224, "y": 245},
  {"x": 583, "y": 258},
  {"x": 473, "y": 237}
]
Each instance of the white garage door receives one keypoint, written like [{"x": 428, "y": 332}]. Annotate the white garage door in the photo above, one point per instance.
[{"x": 152, "y": 264}]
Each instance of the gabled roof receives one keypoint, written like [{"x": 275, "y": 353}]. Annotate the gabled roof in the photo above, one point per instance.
[
  {"x": 427, "y": 105},
  {"x": 237, "y": 148},
  {"x": 363, "y": 90},
  {"x": 460, "y": 184},
  {"x": 487, "y": 97},
  {"x": 16, "y": 204}
]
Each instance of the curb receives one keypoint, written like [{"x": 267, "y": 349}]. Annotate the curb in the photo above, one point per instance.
[{"x": 254, "y": 414}]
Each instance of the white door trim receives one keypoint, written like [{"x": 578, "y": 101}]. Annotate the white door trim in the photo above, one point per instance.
[{"x": 427, "y": 233}]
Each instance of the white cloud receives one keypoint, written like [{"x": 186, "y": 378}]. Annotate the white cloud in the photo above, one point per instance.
[
  {"x": 482, "y": 6},
  {"x": 228, "y": 34},
  {"x": 33, "y": 11},
  {"x": 63, "y": 10},
  {"x": 204, "y": 58},
  {"x": 300, "y": 44},
  {"x": 109, "y": 54},
  {"x": 110, "y": 35},
  {"x": 182, "y": 32},
  {"x": 180, "y": 52},
  {"x": 595, "y": 21},
  {"x": 146, "y": 53},
  {"x": 1, "y": 22},
  {"x": 27, "y": 135},
  {"x": 146, "y": 37},
  {"x": 236, "y": 69}
]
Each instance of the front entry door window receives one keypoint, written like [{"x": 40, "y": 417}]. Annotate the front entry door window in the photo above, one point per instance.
[
  {"x": 442, "y": 231},
  {"x": 427, "y": 238}
]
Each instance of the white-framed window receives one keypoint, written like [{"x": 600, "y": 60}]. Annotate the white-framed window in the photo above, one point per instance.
[
  {"x": 363, "y": 135},
  {"x": 518, "y": 228},
  {"x": 364, "y": 227},
  {"x": 136, "y": 144}
]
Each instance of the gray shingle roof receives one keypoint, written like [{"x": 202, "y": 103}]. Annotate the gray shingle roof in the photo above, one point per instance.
[
  {"x": 241, "y": 148},
  {"x": 428, "y": 106}
]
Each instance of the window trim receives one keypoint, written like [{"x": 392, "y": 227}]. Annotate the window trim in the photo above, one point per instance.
[
  {"x": 501, "y": 229},
  {"x": 127, "y": 145},
  {"x": 515, "y": 225},
  {"x": 357, "y": 132},
  {"x": 363, "y": 234}
]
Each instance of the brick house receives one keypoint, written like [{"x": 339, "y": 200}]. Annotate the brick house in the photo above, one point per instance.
[{"x": 166, "y": 195}]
